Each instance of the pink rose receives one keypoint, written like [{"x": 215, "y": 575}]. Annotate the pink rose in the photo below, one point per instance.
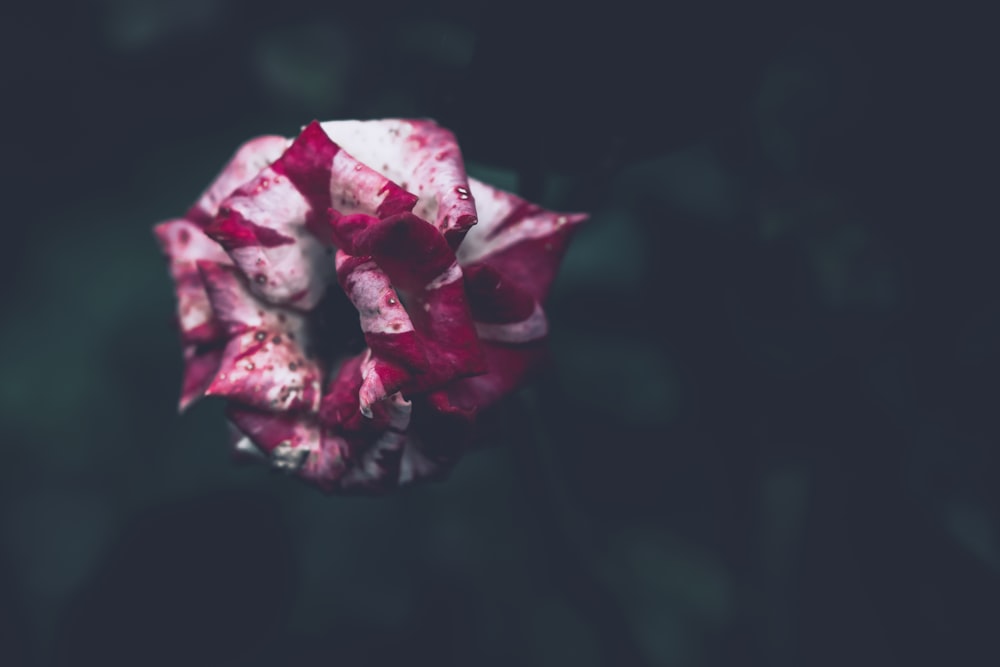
[{"x": 447, "y": 274}]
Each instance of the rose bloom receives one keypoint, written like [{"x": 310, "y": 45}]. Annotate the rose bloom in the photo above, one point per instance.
[{"x": 296, "y": 241}]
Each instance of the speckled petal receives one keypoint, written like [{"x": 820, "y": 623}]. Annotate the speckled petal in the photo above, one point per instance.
[
  {"x": 265, "y": 224},
  {"x": 290, "y": 443},
  {"x": 397, "y": 353},
  {"x": 248, "y": 161},
  {"x": 263, "y": 227},
  {"x": 184, "y": 244},
  {"x": 432, "y": 342},
  {"x": 263, "y": 364},
  {"x": 423, "y": 158},
  {"x": 522, "y": 241},
  {"x": 424, "y": 270}
]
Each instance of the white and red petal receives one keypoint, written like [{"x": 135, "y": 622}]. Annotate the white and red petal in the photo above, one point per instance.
[
  {"x": 418, "y": 262},
  {"x": 375, "y": 463},
  {"x": 383, "y": 451},
  {"x": 263, "y": 228},
  {"x": 265, "y": 224},
  {"x": 511, "y": 326},
  {"x": 184, "y": 244},
  {"x": 434, "y": 341},
  {"x": 503, "y": 312},
  {"x": 340, "y": 406},
  {"x": 509, "y": 366},
  {"x": 289, "y": 443},
  {"x": 396, "y": 354},
  {"x": 522, "y": 241},
  {"x": 242, "y": 448},
  {"x": 293, "y": 444},
  {"x": 377, "y": 467},
  {"x": 200, "y": 366},
  {"x": 249, "y": 160},
  {"x": 330, "y": 177},
  {"x": 327, "y": 462},
  {"x": 423, "y": 158},
  {"x": 263, "y": 364}
]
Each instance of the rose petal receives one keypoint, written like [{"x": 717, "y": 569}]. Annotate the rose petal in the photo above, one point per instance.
[
  {"x": 284, "y": 440},
  {"x": 340, "y": 412},
  {"x": 242, "y": 448},
  {"x": 184, "y": 244},
  {"x": 422, "y": 267},
  {"x": 511, "y": 325},
  {"x": 265, "y": 224},
  {"x": 509, "y": 367},
  {"x": 502, "y": 311},
  {"x": 522, "y": 241},
  {"x": 248, "y": 160},
  {"x": 386, "y": 325},
  {"x": 423, "y": 158},
  {"x": 369, "y": 460},
  {"x": 263, "y": 228},
  {"x": 378, "y": 466},
  {"x": 340, "y": 407},
  {"x": 331, "y": 177},
  {"x": 263, "y": 364},
  {"x": 327, "y": 463},
  {"x": 432, "y": 343},
  {"x": 200, "y": 366}
]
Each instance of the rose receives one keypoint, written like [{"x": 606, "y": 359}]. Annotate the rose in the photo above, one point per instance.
[{"x": 447, "y": 275}]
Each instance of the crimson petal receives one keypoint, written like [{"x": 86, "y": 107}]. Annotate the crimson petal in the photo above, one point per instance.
[{"x": 522, "y": 241}]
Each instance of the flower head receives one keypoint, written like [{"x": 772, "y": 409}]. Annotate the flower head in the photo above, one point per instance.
[{"x": 447, "y": 276}]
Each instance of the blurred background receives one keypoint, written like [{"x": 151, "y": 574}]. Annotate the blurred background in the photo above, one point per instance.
[{"x": 767, "y": 436}]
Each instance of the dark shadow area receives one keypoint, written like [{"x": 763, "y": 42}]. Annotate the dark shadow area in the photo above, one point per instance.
[{"x": 205, "y": 581}]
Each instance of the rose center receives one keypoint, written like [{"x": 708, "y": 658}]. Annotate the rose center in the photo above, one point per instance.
[{"x": 334, "y": 331}]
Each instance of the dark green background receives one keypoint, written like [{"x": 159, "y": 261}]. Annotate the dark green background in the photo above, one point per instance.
[{"x": 768, "y": 434}]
